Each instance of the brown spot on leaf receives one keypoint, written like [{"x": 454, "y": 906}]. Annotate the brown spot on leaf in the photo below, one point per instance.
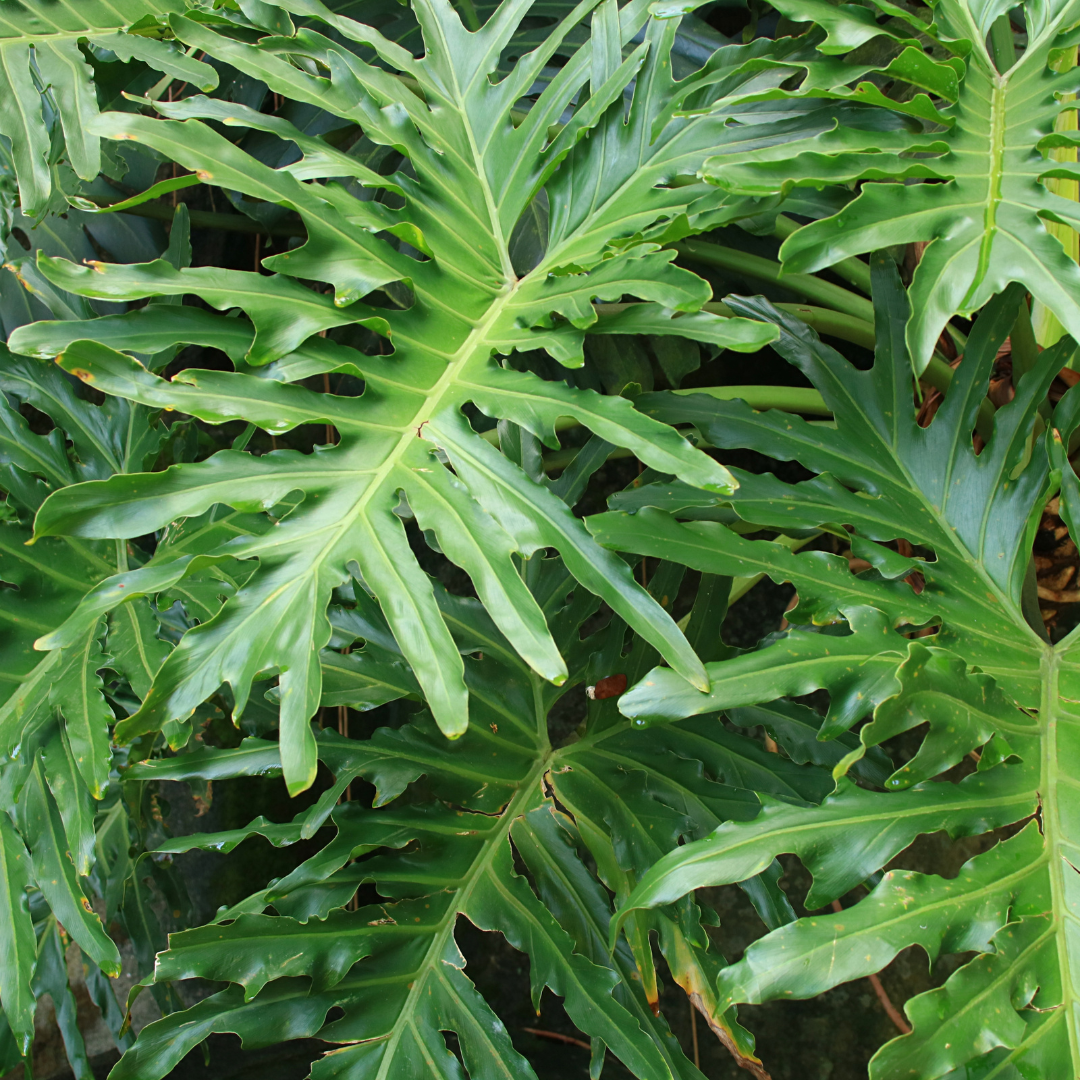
[{"x": 611, "y": 686}]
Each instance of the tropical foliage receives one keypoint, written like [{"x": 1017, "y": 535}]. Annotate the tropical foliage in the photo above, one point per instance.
[{"x": 348, "y": 463}]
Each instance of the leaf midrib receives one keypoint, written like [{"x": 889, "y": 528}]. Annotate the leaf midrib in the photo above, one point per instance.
[
  {"x": 889, "y": 817},
  {"x": 948, "y": 903},
  {"x": 526, "y": 792},
  {"x": 1054, "y": 833}
]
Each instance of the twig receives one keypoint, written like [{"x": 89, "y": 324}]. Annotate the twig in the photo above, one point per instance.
[
  {"x": 886, "y": 1003},
  {"x": 751, "y": 1064},
  {"x": 205, "y": 219},
  {"x": 891, "y": 1010},
  {"x": 558, "y": 1037},
  {"x": 693, "y": 1034}
]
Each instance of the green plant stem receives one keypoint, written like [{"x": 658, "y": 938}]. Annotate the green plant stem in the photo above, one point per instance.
[
  {"x": 206, "y": 219},
  {"x": 794, "y": 399},
  {"x": 754, "y": 266},
  {"x": 797, "y": 399},
  {"x": 823, "y": 320},
  {"x": 851, "y": 269}
]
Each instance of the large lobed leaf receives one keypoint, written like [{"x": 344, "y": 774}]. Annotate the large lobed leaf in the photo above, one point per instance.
[
  {"x": 43, "y": 71},
  {"x": 474, "y": 174},
  {"x": 971, "y": 518},
  {"x": 392, "y": 964},
  {"x": 987, "y": 140}
]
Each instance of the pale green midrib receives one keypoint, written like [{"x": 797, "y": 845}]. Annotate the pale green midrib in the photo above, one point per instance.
[
  {"x": 1053, "y": 831},
  {"x": 527, "y": 791},
  {"x": 432, "y": 404},
  {"x": 58, "y": 35},
  {"x": 949, "y": 539},
  {"x": 477, "y": 167},
  {"x": 691, "y": 797},
  {"x": 999, "y": 85},
  {"x": 888, "y": 817},
  {"x": 140, "y": 645},
  {"x": 995, "y": 176}
]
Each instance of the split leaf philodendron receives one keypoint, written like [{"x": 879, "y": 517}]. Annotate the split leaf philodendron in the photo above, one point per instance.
[
  {"x": 987, "y": 138},
  {"x": 466, "y": 301},
  {"x": 985, "y": 683},
  {"x": 329, "y": 329}
]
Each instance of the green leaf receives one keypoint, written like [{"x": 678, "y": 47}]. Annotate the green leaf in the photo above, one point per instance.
[
  {"x": 858, "y": 669},
  {"x": 442, "y": 362},
  {"x": 969, "y": 518},
  {"x": 72, "y": 799},
  {"x": 47, "y": 38},
  {"x": 433, "y": 861},
  {"x": 134, "y": 647},
  {"x": 20, "y": 121},
  {"x": 66, "y": 73},
  {"x": 18, "y": 946},
  {"x": 160, "y": 55},
  {"x": 51, "y": 977},
  {"x": 888, "y": 478},
  {"x": 986, "y": 222},
  {"x": 850, "y": 836},
  {"x": 77, "y": 692},
  {"x": 365, "y": 680},
  {"x": 963, "y": 710},
  {"x": 995, "y": 983},
  {"x": 175, "y": 183},
  {"x": 283, "y": 313},
  {"x": 941, "y": 915},
  {"x": 56, "y": 877},
  {"x": 795, "y": 728},
  {"x": 238, "y": 952}
]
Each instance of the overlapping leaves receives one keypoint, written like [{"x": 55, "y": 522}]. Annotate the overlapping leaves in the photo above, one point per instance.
[
  {"x": 986, "y": 134},
  {"x": 392, "y": 964},
  {"x": 48, "y": 97},
  {"x": 971, "y": 515},
  {"x": 475, "y": 175}
]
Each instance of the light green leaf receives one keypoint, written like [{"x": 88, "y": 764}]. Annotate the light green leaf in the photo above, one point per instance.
[
  {"x": 72, "y": 799},
  {"x": 17, "y": 941},
  {"x": 55, "y": 875},
  {"x": 986, "y": 222},
  {"x": 77, "y": 692}
]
